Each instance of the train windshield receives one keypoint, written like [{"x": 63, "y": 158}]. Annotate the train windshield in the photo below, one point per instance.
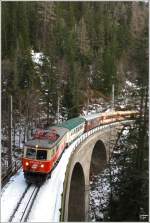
[
  {"x": 31, "y": 153},
  {"x": 41, "y": 155}
]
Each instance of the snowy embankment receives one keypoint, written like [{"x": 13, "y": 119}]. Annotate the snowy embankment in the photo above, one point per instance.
[
  {"x": 11, "y": 194},
  {"x": 48, "y": 201}
]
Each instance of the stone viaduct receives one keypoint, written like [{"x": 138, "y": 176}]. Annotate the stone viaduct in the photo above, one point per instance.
[{"x": 90, "y": 157}]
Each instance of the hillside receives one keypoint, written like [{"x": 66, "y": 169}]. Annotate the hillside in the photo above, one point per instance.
[{"x": 85, "y": 46}]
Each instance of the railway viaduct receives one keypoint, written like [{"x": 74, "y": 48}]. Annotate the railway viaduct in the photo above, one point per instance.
[{"x": 90, "y": 157}]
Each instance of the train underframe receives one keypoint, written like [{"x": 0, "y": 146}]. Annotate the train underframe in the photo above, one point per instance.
[{"x": 36, "y": 178}]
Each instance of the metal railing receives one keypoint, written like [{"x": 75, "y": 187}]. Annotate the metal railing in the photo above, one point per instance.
[{"x": 12, "y": 170}]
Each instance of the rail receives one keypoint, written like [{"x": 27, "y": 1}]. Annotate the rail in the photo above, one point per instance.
[{"x": 24, "y": 205}]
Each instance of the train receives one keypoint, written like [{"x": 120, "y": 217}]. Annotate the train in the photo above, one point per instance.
[{"x": 43, "y": 151}]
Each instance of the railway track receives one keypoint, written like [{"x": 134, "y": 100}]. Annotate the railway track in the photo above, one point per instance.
[{"x": 24, "y": 205}]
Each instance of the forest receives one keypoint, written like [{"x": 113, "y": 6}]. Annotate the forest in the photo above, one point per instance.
[{"x": 84, "y": 48}]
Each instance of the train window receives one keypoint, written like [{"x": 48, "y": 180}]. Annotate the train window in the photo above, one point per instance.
[
  {"x": 41, "y": 155},
  {"x": 31, "y": 153}
]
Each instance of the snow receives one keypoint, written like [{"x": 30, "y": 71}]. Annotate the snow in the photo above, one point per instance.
[
  {"x": 37, "y": 57},
  {"x": 92, "y": 109},
  {"x": 130, "y": 84},
  {"x": 11, "y": 194},
  {"x": 49, "y": 195},
  {"x": 23, "y": 205},
  {"x": 91, "y": 115},
  {"x": 125, "y": 132}
]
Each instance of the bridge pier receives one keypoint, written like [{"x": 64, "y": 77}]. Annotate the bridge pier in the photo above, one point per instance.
[{"x": 87, "y": 190}]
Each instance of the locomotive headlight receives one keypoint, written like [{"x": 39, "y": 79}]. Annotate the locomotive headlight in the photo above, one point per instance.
[
  {"x": 42, "y": 165},
  {"x": 27, "y": 163}
]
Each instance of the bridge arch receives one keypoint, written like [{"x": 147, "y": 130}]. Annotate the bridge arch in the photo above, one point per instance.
[
  {"x": 98, "y": 158},
  {"x": 76, "y": 204}
]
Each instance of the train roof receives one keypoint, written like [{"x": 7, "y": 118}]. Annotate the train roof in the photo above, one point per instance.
[
  {"x": 72, "y": 123},
  {"x": 107, "y": 113},
  {"x": 92, "y": 116},
  {"x": 45, "y": 142},
  {"x": 97, "y": 115}
]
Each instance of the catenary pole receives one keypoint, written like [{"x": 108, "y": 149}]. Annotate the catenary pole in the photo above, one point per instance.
[
  {"x": 58, "y": 108},
  {"x": 10, "y": 134},
  {"x": 113, "y": 96}
]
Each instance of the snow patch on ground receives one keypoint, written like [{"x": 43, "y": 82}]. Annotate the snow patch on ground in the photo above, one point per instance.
[
  {"x": 37, "y": 57},
  {"x": 11, "y": 194},
  {"x": 130, "y": 84}
]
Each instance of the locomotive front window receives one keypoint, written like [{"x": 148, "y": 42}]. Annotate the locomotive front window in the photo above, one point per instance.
[
  {"x": 31, "y": 153},
  {"x": 41, "y": 155}
]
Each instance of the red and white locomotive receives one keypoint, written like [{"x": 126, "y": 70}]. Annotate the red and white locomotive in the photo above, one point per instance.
[{"x": 43, "y": 151}]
